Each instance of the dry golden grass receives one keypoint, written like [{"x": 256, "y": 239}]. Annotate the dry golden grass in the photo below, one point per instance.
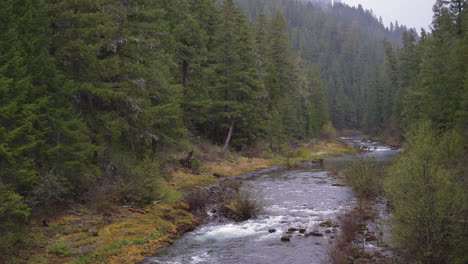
[
  {"x": 184, "y": 180},
  {"x": 311, "y": 152}
]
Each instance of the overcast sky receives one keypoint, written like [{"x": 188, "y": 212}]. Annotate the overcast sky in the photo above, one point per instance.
[{"x": 412, "y": 13}]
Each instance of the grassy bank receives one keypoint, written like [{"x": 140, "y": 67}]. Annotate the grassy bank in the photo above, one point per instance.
[
  {"x": 361, "y": 224},
  {"x": 298, "y": 153},
  {"x": 120, "y": 236},
  {"x": 116, "y": 234}
]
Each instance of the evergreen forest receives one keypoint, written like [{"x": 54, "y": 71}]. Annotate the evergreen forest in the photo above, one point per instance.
[{"x": 99, "y": 97}]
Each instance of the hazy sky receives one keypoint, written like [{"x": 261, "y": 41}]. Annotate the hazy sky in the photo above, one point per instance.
[{"x": 412, "y": 13}]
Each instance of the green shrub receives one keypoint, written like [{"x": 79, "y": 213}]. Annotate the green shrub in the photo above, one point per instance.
[
  {"x": 365, "y": 178},
  {"x": 59, "y": 249},
  {"x": 328, "y": 131},
  {"x": 154, "y": 236},
  {"x": 196, "y": 163},
  {"x": 52, "y": 189},
  {"x": 140, "y": 241},
  {"x": 248, "y": 205},
  {"x": 141, "y": 182},
  {"x": 430, "y": 208},
  {"x": 83, "y": 259},
  {"x": 119, "y": 244},
  {"x": 14, "y": 214}
]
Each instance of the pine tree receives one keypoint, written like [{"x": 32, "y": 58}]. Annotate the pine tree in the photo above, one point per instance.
[
  {"x": 234, "y": 82},
  {"x": 316, "y": 111},
  {"x": 46, "y": 133},
  {"x": 390, "y": 83},
  {"x": 193, "y": 28}
]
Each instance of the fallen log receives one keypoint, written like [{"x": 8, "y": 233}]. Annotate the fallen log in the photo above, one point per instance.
[{"x": 137, "y": 210}]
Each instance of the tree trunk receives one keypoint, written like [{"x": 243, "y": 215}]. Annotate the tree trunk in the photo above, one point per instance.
[
  {"x": 228, "y": 139},
  {"x": 184, "y": 76}
]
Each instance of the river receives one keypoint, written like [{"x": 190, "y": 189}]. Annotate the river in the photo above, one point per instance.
[{"x": 299, "y": 199}]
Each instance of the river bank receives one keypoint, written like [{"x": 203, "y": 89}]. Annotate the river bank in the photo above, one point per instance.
[
  {"x": 364, "y": 233},
  {"x": 121, "y": 235},
  {"x": 300, "y": 224}
]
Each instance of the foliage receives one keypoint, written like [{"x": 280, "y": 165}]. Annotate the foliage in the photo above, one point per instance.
[
  {"x": 429, "y": 202},
  {"x": 365, "y": 178},
  {"x": 52, "y": 189},
  {"x": 140, "y": 182},
  {"x": 248, "y": 205},
  {"x": 428, "y": 75},
  {"x": 59, "y": 249},
  {"x": 340, "y": 249},
  {"x": 197, "y": 200},
  {"x": 328, "y": 131},
  {"x": 14, "y": 214},
  {"x": 344, "y": 45}
]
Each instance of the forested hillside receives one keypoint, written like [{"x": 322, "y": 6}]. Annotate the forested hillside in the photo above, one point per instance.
[
  {"x": 96, "y": 95},
  {"x": 346, "y": 44},
  {"x": 428, "y": 76},
  {"x": 381, "y": 79}
]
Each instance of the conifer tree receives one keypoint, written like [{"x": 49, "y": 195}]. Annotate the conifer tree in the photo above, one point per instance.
[{"x": 234, "y": 82}]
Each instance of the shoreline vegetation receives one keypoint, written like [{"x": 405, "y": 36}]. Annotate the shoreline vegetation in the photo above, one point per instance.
[
  {"x": 123, "y": 234},
  {"x": 422, "y": 191},
  {"x": 362, "y": 224}
]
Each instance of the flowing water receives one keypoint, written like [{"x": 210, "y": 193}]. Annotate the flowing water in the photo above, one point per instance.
[{"x": 299, "y": 199}]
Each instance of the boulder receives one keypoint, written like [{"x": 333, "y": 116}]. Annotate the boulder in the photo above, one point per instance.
[
  {"x": 317, "y": 234},
  {"x": 230, "y": 211},
  {"x": 272, "y": 230},
  {"x": 286, "y": 238},
  {"x": 362, "y": 227},
  {"x": 370, "y": 237},
  {"x": 327, "y": 223},
  {"x": 338, "y": 185}
]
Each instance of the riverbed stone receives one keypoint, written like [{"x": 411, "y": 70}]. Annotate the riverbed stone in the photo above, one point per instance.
[
  {"x": 286, "y": 238},
  {"x": 370, "y": 237},
  {"x": 272, "y": 230},
  {"x": 317, "y": 234},
  {"x": 327, "y": 223}
]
